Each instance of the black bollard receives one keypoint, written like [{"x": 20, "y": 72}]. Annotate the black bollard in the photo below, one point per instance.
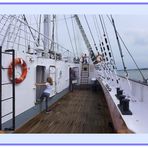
[
  {"x": 125, "y": 104},
  {"x": 120, "y": 92},
  {"x": 121, "y": 98},
  {"x": 117, "y": 89}
]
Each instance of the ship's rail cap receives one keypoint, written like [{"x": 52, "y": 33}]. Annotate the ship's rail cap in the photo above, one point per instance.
[{"x": 136, "y": 81}]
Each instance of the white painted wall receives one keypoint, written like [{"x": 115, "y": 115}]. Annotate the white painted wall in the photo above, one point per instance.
[{"x": 26, "y": 91}]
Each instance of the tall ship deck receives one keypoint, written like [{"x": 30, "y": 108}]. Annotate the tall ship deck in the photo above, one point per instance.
[
  {"x": 80, "y": 111},
  {"x": 80, "y": 53}
]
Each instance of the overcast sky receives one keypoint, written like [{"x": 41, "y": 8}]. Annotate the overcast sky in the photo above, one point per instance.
[{"x": 132, "y": 28}]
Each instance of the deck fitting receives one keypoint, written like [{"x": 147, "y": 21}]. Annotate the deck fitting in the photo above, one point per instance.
[{"x": 124, "y": 107}]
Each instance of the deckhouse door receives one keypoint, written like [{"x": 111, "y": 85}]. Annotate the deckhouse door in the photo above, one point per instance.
[{"x": 40, "y": 78}]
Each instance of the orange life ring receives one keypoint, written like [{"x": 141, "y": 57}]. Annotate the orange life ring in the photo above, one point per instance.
[{"x": 22, "y": 63}]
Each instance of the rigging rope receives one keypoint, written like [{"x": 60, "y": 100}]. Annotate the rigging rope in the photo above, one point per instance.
[
  {"x": 89, "y": 29},
  {"x": 14, "y": 28},
  {"x": 52, "y": 36},
  {"x": 78, "y": 36},
  {"x": 102, "y": 24},
  {"x": 95, "y": 24},
  {"x": 102, "y": 43},
  {"x": 7, "y": 30},
  {"x": 16, "y": 34},
  {"x": 108, "y": 41},
  {"x": 39, "y": 26},
  {"x": 101, "y": 39},
  {"x": 41, "y": 33},
  {"x": 98, "y": 27},
  {"x": 67, "y": 18},
  {"x": 121, "y": 54},
  {"x": 69, "y": 35},
  {"x": 105, "y": 35},
  {"x": 112, "y": 62},
  {"x": 56, "y": 33},
  {"x": 119, "y": 45},
  {"x": 2, "y": 17},
  {"x": 91, "y": 35},
  {"x": 107, "y": 65},
  {"x": 98, "y": 32},
  {"x": 25, "y": 19},
  {"x": 7, "y": 20},
  {"x": 74, "y": 36},
  {"x": 144, "y": 79},
  {"x": 19, "y": 37},
  {"x": 132, "y": 59},
  {"x": 36, "y": 20}
]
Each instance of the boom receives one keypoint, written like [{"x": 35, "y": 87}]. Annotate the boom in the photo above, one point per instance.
[{"x": 87, "y": 43}]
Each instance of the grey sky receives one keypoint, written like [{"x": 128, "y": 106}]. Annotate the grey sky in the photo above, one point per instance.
[{"x": 133, "y": 29}]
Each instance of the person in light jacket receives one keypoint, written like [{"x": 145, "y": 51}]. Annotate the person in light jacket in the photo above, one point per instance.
[{"x": 47, "y": 91}]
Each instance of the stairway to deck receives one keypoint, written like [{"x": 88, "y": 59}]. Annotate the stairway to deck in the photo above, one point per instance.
[
  {"x": 80, "y": 111},
  {"x": 84, "y": 74}
]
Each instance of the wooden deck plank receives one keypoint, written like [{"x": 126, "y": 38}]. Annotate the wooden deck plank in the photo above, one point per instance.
[{"x": 81, "y": 111}]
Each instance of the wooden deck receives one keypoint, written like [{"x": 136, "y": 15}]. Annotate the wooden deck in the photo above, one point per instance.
[{"x": 81, "y": 111}]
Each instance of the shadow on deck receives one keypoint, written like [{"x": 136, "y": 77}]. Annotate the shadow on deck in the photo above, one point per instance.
[{"x": 80, "y": 111}]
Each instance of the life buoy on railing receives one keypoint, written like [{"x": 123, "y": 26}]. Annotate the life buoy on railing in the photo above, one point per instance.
[{"x": 22, "y": 63}]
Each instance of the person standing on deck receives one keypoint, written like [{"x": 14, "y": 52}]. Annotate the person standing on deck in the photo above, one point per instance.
[
  {"x": 72, "y": 78},
  {"x": 46, "y": 93}
]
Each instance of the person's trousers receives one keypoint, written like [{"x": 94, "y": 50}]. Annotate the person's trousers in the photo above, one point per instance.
[{"x": 46, "y": 96}]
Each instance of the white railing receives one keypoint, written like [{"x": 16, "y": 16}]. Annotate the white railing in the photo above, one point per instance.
[{"x": 138, "y": 90}]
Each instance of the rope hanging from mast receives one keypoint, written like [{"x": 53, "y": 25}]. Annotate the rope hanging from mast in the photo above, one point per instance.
[
  {"x": 108, "y": 44},
  {"x": 72, "y": 21},
  {"x": 99, "y": 35},
  {"x": 106, "y": 39},
  {"x": 53, "y": 32},
  {"x": 18, "y": 30},
  {"x": 38, "y": 40},
  {"x": 119, "y": 45},
  {"x": 111, "y": 65},
  {"x": 144, "y": 79},
  {"x": 25, "y": 20},
  {"x": 91, "y": 35},
  {"x": 78, "y": 37},
  {"x": 102, "y": 42},
  {"x": 110, "y": 58},
  {"x": 104, "y": 75},
  {"x": 69, "y": 35}
]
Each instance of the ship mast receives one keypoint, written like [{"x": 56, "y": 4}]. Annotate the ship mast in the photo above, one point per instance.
[
  {"x": 53, "y": 33},
  {"x": 46, "y": 33}
]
